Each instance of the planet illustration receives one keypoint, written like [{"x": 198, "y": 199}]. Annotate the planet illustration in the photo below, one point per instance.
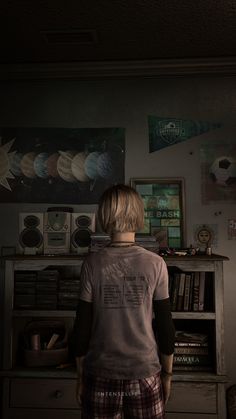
[
  {"x": 77, "y": 167},
  {"x": 51, "y": 164},
  {"x": 16, "y": 164},
  {"x": 5, "y": 158},
  {"x": 91, "y": 165},
  {"x": 40, "y": 165},
  {"x": 27, "y": 164},
  {"x": 64, "y": 165},
  {"x": 105, "y": 165}
]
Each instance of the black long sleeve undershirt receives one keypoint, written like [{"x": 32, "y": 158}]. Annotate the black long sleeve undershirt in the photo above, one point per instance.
[
  {"x": 82, "y": 328},
  {"x": 163, "y": 326}
]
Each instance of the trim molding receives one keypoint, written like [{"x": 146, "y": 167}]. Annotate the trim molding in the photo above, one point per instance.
[{"x": 118, "y": 69}]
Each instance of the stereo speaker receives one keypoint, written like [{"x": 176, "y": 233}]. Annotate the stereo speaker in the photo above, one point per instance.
[
  {"x": 82, "y": 226},
  {"x": 56, "y": 232},
  {"x": 31, "y": 233}
]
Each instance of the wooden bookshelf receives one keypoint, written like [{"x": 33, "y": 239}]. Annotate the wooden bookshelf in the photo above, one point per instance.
[{"x": 205, "y": 390}]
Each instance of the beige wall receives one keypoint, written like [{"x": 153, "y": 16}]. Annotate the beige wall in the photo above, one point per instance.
[{"x": 126, "y": 103}]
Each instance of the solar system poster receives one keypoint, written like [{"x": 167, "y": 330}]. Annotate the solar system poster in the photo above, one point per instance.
[
  {"x": 60, "y": 165},
  {"x": 218, "y": 171}
]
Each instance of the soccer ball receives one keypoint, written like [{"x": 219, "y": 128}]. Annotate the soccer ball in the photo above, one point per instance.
[{"x": 223, "y": 171}]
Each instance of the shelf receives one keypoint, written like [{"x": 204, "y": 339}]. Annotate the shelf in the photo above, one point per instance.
[
  {"x": 41, "y": 372},
  {"x": 44, "y": 313},
  {"x": 193, "y": 315},
  {"x": 70, "y": 372}
]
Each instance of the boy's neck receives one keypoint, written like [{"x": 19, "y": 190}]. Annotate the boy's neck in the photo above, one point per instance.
[{"x": 128, "y": 237}]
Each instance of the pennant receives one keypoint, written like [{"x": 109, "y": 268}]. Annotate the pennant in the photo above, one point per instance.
[{"x": 165, "y": 132}]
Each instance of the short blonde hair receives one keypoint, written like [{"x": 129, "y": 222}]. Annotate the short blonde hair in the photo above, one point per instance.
[{"x": 121, "y": 210}]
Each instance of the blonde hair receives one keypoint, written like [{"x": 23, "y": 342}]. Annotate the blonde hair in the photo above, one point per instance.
[{"x": 121, "y": 210}]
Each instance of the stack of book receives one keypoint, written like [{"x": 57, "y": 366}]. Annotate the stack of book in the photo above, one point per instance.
[
  {"x": 189, "y": 291},
  {"x": 98, "y": 241},
  {"x": 148, "y": 242},
  {"x": 25, "y": 290},
  {"x": 46, "y": 289},
  {"x": 192, "y": 352}
]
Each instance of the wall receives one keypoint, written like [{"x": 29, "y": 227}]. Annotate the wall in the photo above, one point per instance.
[{"x": 126, "y": 103}]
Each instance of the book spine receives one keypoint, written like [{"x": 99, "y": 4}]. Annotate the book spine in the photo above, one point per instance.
[
  {"x": 201, "y": 291},
  {"x": 192, "y": 350},
  {"x": 191, "y": 359},
  {"x": 196, "y": 291},
  {"x": 191, "y": 293},
  {"x": 175, "y": 289},
  {"x": 192, "y": 368},
  {"x": 180, "y": 298},
  {"x": 191, "y": 344},
  {"x": 187, "y": 292}
]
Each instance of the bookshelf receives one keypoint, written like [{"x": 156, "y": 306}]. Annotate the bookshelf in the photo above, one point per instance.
[
  {"x": 22, "y": 385},
  {"x": 199, "y": 372}
]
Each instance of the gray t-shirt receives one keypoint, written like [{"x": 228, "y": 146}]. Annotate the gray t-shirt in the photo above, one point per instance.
[{"x": 122, "y": 283}]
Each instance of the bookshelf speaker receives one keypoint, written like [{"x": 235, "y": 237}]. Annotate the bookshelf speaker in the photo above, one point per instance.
[
  {"x": 82, "y": 226},
  {"x": 31, "y": 233}
]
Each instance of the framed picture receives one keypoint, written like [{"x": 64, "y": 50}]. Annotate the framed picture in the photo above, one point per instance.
[{"x": 164, "y": 209}]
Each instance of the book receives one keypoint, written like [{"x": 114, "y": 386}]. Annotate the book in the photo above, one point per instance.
[
  {"x": 180, "y": 297},
  {"x": 191, "y": 344},
  {"x": 191, "y": 293},
  {"x": 186, "y": 359},
  {"x": 194, "y": 368},
  {"x": 175, "y": 289},
  {"x": 188, "y": 280},
  {"x": 201, "y": 291},
  {"x": 190, "y": 337},
  {"x": 192, "y": 350},
  {"x": 209, "y": 294},
  {"x": 196, "y": 283}
]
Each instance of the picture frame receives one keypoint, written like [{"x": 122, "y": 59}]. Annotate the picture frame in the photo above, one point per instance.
[{"x": 164, "y": 209}]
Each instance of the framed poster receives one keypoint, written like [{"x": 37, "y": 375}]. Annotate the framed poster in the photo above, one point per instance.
[
  {"x": 59, "y": 165},
  {"x": 164, "y": 209}
]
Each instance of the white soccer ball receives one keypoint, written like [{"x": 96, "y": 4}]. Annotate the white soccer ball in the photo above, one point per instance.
[{"x": 223, "y": 171}]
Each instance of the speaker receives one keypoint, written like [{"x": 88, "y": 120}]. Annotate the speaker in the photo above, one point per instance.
[
  {"x": 31, "y": 233},
  {"x": 56, "y": 232},
  {"x": 82, "y": 226}
]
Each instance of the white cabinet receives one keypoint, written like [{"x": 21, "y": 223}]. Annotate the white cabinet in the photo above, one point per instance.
[{"x": 37, "y": 392}]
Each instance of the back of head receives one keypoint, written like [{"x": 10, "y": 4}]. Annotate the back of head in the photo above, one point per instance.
[{"x": 121, "y": 210}]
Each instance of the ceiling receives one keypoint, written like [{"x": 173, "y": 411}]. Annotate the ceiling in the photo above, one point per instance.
[{"x": 83, "y": 31}]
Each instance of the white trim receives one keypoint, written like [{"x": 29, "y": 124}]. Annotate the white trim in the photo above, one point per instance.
[{"x": 119, "y": 69}]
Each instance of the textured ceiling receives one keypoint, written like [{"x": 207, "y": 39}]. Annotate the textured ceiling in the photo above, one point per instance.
[{"x": 121, "y": 30}]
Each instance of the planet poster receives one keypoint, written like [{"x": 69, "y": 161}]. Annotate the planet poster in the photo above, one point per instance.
[
  {"x": 218, "y": 172},
  {"x": 60, "y": 165}
]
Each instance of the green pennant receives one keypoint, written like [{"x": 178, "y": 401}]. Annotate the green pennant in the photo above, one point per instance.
[{"x": 165, "y": 132}]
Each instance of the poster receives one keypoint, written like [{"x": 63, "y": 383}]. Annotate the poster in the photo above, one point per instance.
[
  {"x": 218, "y": 172},
  {"x": 60, "y": 165},
  {"x": 163, "y": 210},
  {"x": 232, "y": 229}
]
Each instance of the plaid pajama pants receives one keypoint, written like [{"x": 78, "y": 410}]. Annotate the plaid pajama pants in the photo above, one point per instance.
[{"x": 109, "y": 398}]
